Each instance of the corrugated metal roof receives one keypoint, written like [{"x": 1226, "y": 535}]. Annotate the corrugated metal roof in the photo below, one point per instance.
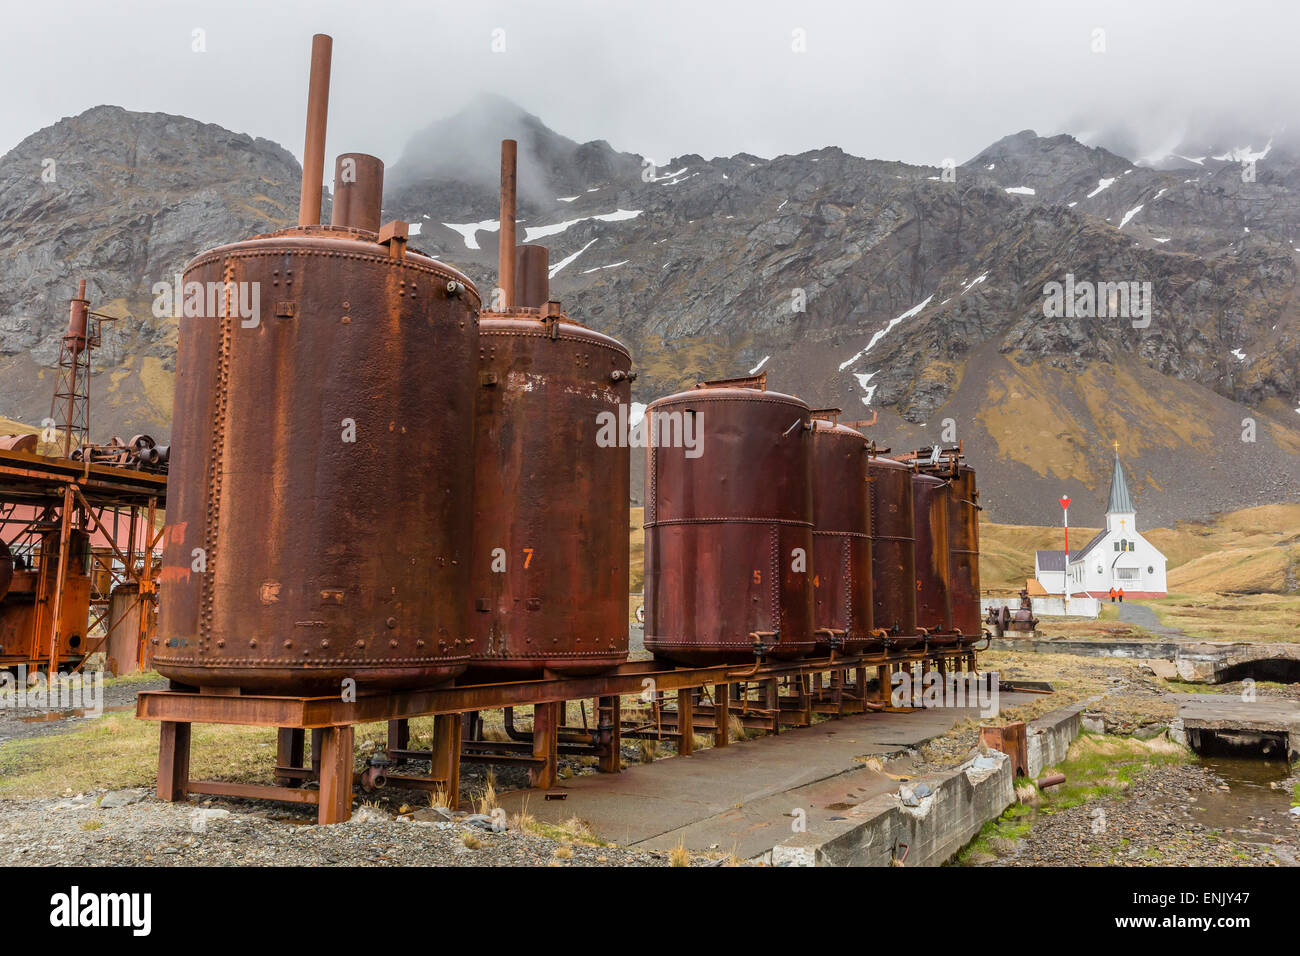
[
  {"x": 1121, "y": 502},
  {"x": 1050, "y": 560},
  {"x": 1075, "y": 556}
]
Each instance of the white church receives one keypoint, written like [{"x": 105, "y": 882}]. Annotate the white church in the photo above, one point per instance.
[{"x": 1118, "y": 557}]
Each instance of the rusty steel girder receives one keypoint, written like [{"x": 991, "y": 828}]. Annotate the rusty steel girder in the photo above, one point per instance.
[
  {"x": 724, "y": 529},
  {"x": 841, "y": 538}
]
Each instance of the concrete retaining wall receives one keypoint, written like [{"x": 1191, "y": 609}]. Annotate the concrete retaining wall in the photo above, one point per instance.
[
  {"x": 1048, "y": 606},
  {"x": 878, "y": 831}
]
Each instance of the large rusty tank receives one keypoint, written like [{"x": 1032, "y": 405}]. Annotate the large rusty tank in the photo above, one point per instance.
[
  {"x": 729, "y": 540},
  {"x": 841, "y": 537},
  {"x": 320, "y": 502},
  {"x": 964, "y": 553},
  {"x": 930, "y": 500},
  {"x": 893, "y": 558},
  {"x": 549, "y": 576}
]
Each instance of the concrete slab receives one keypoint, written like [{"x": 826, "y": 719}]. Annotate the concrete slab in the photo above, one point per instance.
[
  {"x": 740, "y": 798},
  {"x": 1230, "y": 712}
]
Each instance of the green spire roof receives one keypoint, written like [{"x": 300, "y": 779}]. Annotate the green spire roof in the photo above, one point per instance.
[{"x": 1121, "y": 502}]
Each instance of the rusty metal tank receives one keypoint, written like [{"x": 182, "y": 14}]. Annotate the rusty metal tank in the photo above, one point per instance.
[
  {"x": 893, "y": 557},
  {"x": 841, "y": 537},
  {"x": 964, "y": 553},
  {"x": 728, "y": 524},
  {"x": 320, "y": 495},
  {"x": 930, "y": 499},
  {"x": 549, "y": 576}
]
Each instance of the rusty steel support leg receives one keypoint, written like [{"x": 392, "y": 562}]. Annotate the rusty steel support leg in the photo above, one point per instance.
[
  {"x": 721, "y": 715},
  {"x": 471, "y": 725},
  {"x": 317, "y": 744},
  {"x": 399, "y": 738},
  {"x": 772, "y": 702},
  {"x": 173, "y": 760},
  {"x": 609, "y": 712},
  {"x": 445, "y": 758},
  {"x": 686, "y": 721},
  {"x": 336, "y": 775},
  {"x": 288, "y": 753},
  {"x": 546, "y": 726},
  {"x": 883, "y": 689}
]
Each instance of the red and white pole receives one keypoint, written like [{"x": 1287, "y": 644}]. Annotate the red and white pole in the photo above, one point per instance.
[{"x": 1065, "y": 508}]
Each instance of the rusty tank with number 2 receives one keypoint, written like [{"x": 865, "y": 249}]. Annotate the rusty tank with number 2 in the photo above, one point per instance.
[
  {"x": 728, "y": 519},
  {"x": 549, "y": 575},
  {"x": 321, "y": 485}
]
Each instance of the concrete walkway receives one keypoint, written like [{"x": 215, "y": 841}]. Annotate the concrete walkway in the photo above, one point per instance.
[
  {"x": 1147, "y": 619},
  {"x": 744, "y": 798}
]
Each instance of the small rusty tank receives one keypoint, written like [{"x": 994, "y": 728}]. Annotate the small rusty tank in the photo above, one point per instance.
[
  {"x": 964, "y": 553},
  {"x": 549, "y": 577},
  {"x": 841, "y": 537},
  {"x": 729, "y": 542},
  {"x": 320, "y": 495},
  {"x": 893, "y": 558},
  {"x": 930, "y": 520}
]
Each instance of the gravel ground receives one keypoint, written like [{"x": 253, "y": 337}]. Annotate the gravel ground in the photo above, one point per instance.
[
  {"x": 1153, "y": 824},
  {"x": 151, "y": 832}
]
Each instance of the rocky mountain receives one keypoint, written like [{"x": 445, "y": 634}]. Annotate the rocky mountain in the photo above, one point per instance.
[
  {"x": 122, "y": 200},
  {"x": 911, "y": 293}
]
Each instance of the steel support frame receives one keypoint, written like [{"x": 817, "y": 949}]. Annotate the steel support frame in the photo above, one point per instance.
[{"x": 332, "y": 722}]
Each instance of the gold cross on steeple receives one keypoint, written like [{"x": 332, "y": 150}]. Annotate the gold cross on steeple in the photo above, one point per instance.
[{"x": 1116, "y": 444}]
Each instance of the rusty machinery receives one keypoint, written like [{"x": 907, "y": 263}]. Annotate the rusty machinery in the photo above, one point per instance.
[
  {"x": 77, "y": 531},
  {"x": 551, "y": 501},
  {"x": 729, "y": 538},
  {"x": 322, "y": 519},
  {"x": 460, "y": 455}
]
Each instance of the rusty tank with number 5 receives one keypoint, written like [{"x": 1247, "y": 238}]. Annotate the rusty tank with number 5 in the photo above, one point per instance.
[
  {"x": 320, "y": 491},
  {"x": 728, "y": 519}
]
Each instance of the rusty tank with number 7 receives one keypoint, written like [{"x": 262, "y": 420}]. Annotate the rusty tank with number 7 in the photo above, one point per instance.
[
  {"x": 321, "y": 484},
  {"x": 549, "y": 576},
  {"x": 728, "y": 519}
]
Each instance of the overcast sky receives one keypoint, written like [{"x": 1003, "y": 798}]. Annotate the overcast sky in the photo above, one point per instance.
[{"x": 916, "y": 81}]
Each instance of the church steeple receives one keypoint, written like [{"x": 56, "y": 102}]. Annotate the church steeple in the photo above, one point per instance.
[
  {"x": 1120, "y": 510},
  {"x": 1121, "y": 502}
]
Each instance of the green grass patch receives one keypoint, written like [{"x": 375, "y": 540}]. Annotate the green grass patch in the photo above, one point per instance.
[{"x": 1096, "y": 766}]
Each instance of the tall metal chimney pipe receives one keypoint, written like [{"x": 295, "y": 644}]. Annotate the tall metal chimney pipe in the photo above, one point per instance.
[
  {"x": 313, "y": 152},
  {"x": 506, "y": 249},
  {"x": 358, "y": 191}
]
